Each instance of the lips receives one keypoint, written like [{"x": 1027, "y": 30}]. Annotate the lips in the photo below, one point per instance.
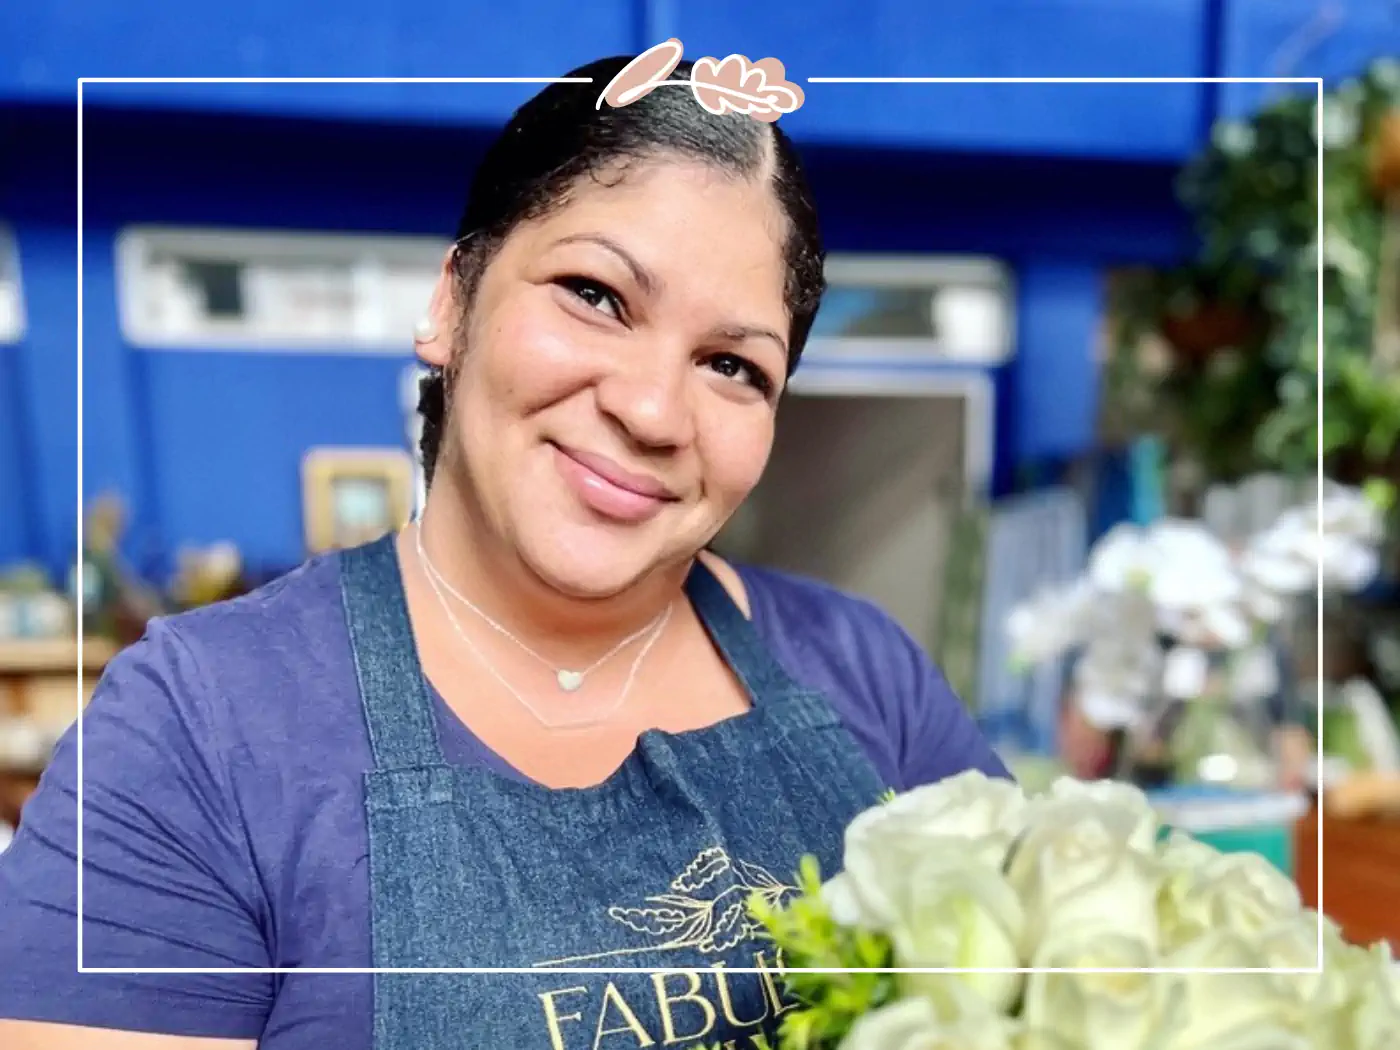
[
  {"x": 641, "y": 484},
  {"x": 610, "y": 489}
]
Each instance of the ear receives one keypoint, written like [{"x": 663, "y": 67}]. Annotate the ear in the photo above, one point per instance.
[{"x": 432, "y": 337}]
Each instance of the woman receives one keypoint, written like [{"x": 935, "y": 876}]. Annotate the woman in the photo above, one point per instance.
[{"x": 541, "y": 728}]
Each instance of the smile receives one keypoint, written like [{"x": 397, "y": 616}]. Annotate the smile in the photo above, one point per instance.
[{"x": 609, "y": 489}]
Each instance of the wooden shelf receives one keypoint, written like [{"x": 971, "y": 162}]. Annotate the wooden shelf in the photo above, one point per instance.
[
  {"x": 31, "y": 656},
  {"x": 39, "y": 682}
]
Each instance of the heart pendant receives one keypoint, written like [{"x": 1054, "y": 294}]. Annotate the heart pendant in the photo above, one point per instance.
[{"x": 570, "y": 680}]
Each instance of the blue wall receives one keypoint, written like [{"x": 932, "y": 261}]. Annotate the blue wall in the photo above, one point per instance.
[
  {"x": 207, "y": 444},
  {"x": 38, "y": 377}
]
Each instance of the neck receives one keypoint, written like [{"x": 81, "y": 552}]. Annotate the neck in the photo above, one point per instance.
[{"x": 498, "y": 582}]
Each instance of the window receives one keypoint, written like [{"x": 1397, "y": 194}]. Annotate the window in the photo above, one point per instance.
[
  {"x": 910, "y": 309},
  {"x": 232, "y": 289},
  {"x": 12, "y": 320}
]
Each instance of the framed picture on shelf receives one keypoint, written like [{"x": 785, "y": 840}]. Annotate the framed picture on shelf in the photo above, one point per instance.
[{"x": 352, "y": 496}]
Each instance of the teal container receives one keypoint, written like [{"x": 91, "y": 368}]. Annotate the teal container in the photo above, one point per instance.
[
  {"x": 1272, "y": 841},
  {"x": 1235, "y": 821}
]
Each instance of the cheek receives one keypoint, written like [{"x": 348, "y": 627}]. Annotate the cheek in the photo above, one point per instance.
[
  {"x": 735, "y": 448},
  {"x": 529, "y": 356}
]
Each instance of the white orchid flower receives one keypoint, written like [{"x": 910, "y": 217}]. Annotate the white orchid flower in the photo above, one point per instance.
[{"x": 1176, "y": 580}]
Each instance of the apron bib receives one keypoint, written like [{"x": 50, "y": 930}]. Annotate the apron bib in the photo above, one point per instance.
[{"x": 652, "y": 869}]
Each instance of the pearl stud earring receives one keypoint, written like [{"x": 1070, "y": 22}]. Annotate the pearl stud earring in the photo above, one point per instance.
[{"x": 424, "y": 331}]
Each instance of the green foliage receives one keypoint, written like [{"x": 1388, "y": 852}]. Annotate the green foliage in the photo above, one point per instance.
[
  {"x": 808, "y": 938},
  {"x": 1253, "y": 195}
]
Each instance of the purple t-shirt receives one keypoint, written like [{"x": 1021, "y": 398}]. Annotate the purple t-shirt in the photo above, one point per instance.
[{"x": 223, "y": 811}]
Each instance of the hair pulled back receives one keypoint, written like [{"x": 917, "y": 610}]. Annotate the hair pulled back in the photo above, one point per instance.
[{"x": 560, "y": 137}]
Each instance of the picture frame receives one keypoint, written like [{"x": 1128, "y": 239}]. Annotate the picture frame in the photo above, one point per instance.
[{"x": 352, "y": 496}]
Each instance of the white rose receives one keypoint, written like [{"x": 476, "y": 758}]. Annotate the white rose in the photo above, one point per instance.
[
  {"x": 1181, "y": 852},
  {"x": 1371, "y": 1018},
  {"x": 1119, "y": 805},
  {"x": 1291, "y": 944},
  {"x": 963, "y": 916},
  {"x": 1235, "y": 1011},
  {"x": 1079, "y": 867},
  {"x": 1375, "y": 1021},
  {"x": 1239, "y": 892},
  {"x": 841, "y": 901},
  {"x": 972, "y": 817},
  {"x": 915, "y": 1024},
  {"x": 1039, "y": 1039},
  {"x": 1099, "y": 1011}
]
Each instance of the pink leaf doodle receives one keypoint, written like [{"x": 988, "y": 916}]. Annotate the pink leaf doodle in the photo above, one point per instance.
[
  {"x": 643, "y": 75},
  {"x": 733, "y": 84}
]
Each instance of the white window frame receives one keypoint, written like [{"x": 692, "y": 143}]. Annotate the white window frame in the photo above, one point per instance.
[
  {"x": 13, "y": 333},
  {"x": 362, "y": 252},
  {"x": 852, "y": 270}
]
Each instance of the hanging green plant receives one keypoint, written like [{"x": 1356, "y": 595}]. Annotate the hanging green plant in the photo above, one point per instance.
[{"x": 1240, "y": 317}]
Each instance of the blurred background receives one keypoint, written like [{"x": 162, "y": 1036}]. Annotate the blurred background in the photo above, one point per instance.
[{"x": 1061, "y": 315}]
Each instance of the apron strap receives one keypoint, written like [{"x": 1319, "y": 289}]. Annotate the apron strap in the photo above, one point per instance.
[
  {"x": 736, "y": 637},
  {"x": 398, "y": 710}
]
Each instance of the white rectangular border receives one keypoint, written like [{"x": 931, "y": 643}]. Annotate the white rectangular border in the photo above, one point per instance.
[{"x": 1318, "y": 84}]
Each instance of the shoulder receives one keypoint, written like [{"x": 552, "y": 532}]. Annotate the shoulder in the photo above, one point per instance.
[
  {"x": 814, "y": 617},
  {"x": 284, "y": 618},
  {"x": 223, "y": 682},
  {"x": 886, "y": 689}
]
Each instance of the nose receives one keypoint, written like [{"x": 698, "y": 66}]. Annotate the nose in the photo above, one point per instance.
[{"x": 650, "y": 397}]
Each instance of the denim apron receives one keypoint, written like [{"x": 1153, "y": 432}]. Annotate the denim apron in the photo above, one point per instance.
[{"x": 652, "y": 869}]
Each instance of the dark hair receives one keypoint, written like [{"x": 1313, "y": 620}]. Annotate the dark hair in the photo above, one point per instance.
[{"x": 560, "y": 136}]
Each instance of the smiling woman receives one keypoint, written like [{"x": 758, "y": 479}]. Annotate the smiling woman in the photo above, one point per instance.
[{"x": 540, "y": 727}]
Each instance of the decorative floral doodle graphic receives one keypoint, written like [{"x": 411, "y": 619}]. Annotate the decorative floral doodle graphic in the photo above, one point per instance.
[
  {"x": 711, "y": 922},
  {"x": 729, "y": 85},
  {"x": 707, "y": 908}
]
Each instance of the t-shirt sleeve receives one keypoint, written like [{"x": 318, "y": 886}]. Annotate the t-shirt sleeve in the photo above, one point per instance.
[
  {"x": 167, "y": 875},
  {"x": 940, "y": 737},
  {"x": 934, "y": 736}
]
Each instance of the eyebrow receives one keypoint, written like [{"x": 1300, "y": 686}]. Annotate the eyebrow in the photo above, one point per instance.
[
  {"x": 737, "y": 333},
  {"x": 650, "y": 284},
  {"x": 646, "y": 280}
]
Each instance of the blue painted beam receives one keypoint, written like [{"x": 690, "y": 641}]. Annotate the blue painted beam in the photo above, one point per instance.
[
  {"x": 989, "y": 38},
  {"x": 44, "y": 48}
]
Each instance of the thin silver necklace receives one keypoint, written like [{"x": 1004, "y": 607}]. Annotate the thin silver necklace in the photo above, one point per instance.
[
  {"x": 576, "y": 723},
  {"x": 569, "y": 680}
]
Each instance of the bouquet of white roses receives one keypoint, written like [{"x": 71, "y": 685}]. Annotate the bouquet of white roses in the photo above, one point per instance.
[{"x": 1084, "y": 886}]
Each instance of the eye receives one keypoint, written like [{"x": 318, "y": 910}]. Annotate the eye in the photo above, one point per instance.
[
  {"x": 594, "y": 293},
  {"x": 732, "y": 366}
]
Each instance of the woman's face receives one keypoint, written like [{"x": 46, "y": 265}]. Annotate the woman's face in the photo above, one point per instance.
[{"x": 615, "y": 399}]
